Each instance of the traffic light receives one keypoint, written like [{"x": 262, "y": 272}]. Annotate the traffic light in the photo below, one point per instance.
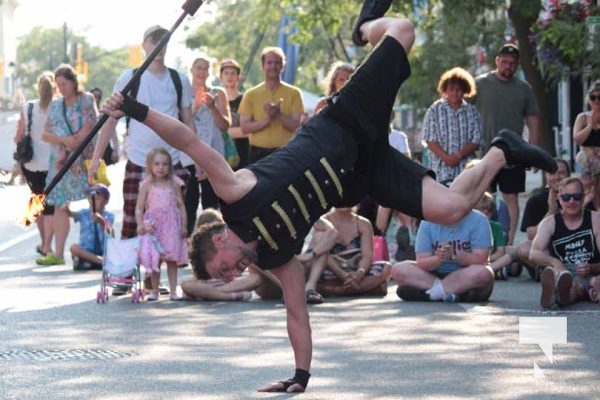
[
  {"x": 81, "y": 67},
  {"x": 136, "y": 55}
]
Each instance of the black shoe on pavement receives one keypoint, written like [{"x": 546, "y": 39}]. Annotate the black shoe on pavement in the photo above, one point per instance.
[
  {"x": 409, "y": 293},
  {"x": 518, "y": 152},
  {"x": 371, "y": 9}
]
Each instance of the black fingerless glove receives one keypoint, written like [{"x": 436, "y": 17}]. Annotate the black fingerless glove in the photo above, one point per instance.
[
  {"x": 301, "y": 376},
  {"x": 134, "y": 109}
]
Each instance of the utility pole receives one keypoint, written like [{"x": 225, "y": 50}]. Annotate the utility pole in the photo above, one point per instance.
[{"x": 65, "y": 44}]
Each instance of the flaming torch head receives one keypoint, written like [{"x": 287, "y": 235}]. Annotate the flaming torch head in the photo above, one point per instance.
[{"x": 34, "y": 209}]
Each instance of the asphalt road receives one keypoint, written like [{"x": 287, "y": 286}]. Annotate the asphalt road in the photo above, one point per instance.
[{"x": 57, "y": 343}]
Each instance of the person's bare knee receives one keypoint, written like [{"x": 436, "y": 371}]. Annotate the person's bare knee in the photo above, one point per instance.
[
  {"x": 401, "y": 270},
  {"x": 483, "y": 276},
  {"x": 400, "y": 29}
]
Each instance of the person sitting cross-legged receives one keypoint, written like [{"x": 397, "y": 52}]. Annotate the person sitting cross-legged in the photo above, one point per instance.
[
  {"x": 567, "y": 242},
  {"x": 451, "y": 262},
  {"x": 348, "y": 267}
]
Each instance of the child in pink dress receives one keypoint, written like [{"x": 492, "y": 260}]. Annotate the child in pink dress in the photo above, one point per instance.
[{"x": 161, "y": 221}]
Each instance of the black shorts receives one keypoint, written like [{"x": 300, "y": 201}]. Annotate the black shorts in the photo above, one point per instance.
[
  {"x": 363, "y": 106},
  {"x": 509, "y": 180},
  {"x": 36, "y": 180}
]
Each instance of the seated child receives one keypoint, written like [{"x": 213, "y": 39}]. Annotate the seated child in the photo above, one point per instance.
[
  {"x": 95, "y": 222},
  {"x": 501, "y": 256}
]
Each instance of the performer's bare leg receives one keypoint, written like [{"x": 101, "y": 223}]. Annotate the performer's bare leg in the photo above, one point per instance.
[
  {"x": 448, "y": 205},
  {"x": 400, "y": 29}
]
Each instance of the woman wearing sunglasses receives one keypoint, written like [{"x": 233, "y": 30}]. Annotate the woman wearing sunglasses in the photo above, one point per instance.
[
  {"x": 568, "y": 243},
  {"x": 586, "y": 133}
]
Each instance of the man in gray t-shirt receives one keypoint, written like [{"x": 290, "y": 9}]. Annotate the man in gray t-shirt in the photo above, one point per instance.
[{"x": 505, "y": 101}]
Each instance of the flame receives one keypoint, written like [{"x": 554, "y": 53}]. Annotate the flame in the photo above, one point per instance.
[{"x": 34, "y": 209}]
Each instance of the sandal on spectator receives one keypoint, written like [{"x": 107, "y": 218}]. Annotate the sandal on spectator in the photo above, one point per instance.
[
  {"x": 313, "y": 297},
  {"x": 38, "y": 249}
]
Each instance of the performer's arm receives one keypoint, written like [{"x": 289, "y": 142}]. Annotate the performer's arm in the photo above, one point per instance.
[{"x": 229, "y": 186}]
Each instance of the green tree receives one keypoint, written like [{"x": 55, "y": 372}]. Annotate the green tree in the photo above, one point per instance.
[{"x": 44, "y": 49}]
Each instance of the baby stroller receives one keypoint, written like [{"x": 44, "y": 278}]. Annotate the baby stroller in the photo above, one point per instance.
[{"x": 121, "y": 268}]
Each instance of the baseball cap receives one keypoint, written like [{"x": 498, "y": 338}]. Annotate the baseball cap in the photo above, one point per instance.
[
  {"x": 229, "y": 63},
  {"x": 98, "y": 189},
  {"x": 155, "y": 32},
  {"x": 509, "y": 49}
]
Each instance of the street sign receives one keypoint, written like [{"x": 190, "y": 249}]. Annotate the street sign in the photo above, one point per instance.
[{"x": 592, "y": 23}]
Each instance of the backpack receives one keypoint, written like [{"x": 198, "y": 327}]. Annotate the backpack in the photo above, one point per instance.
[
  {"x": 24, "y": 152},
  {"x": 136, "y": 87}
]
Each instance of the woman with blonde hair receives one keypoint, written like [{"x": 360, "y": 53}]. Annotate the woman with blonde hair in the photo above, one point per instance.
[
  {"x": 32, "y": 122},
  {"x": 336, "y": 78},
  {"x": 586, "y": 133}
]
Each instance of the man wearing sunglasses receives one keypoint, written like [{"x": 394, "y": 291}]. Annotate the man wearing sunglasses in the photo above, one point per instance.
[
  {"x": 538, "y": 206},
  {"x": 568, "y": 243}
]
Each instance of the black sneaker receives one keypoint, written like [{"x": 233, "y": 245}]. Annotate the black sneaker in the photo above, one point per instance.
[
  {"x": 518, "y": 152},
  {"x": 500, "y": 274},
  {"x": 409, "y": 293},
  {"x": 534, "y": 272},
  {"x": 371, "y": 9},
  {"x": 515, "y": 269}
]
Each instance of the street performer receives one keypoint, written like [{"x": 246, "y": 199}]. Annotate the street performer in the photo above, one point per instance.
[{"x": 335, "y": 159}]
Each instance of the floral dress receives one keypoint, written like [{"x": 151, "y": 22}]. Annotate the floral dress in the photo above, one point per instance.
[
  {"x": 163, "y": 215},
  {"x": 74, "y": 183}
]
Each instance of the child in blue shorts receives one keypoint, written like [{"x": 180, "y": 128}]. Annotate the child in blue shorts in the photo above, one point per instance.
[{"x": 95, "y": 222}]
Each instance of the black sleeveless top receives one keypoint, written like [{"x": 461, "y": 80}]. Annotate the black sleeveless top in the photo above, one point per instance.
[
  {"x": 576, "y": 246},
  {"x": 295, "y": 185}
]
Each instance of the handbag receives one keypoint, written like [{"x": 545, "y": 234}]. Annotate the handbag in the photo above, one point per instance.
[
  {"x": 380, "y": 249},
  {"x": 24, "y": 151},
  {"x": 230, "y": 152},
  {"x": 101, "y": 175}
]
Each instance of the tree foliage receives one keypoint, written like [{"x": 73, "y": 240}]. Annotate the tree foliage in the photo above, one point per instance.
[{"x": 44, "y": 49}]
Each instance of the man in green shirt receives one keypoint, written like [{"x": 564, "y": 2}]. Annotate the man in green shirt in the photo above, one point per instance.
[{"x": 506, "y": 102}]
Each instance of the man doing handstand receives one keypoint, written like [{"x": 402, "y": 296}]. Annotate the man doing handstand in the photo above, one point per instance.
[{"x": 335, "y": 159}]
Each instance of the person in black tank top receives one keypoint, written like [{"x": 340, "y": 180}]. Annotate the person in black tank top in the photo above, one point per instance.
[{"x": 568, "y": 243}]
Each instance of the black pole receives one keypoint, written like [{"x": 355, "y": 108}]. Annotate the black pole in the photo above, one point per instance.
[{"x": 189, "y": 7}]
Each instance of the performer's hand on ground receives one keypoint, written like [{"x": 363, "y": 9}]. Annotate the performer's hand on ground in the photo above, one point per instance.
[
  {"x": 279, "y": 387},
  {"x": 111, "y": 107}
]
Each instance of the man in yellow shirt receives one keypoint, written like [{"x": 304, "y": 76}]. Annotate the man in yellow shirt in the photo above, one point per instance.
[{"x": 270, "y": 112}]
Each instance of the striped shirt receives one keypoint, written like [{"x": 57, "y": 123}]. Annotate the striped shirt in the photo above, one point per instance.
[{"x": 452, "y": 130}]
